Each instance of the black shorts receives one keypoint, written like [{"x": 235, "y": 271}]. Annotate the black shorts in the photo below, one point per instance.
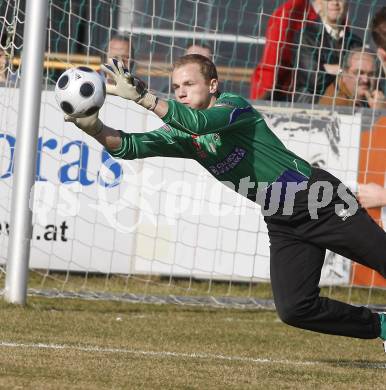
[{"x": 298, "y": 243}]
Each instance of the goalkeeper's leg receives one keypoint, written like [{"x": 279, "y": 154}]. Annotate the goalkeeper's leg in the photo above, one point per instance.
[
  {"x": 297, "y": 255},
  {"x": 295, "y": 275}
]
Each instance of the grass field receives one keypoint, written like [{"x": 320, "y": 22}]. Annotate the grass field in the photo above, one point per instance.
[{"x": 69, "y": 343}]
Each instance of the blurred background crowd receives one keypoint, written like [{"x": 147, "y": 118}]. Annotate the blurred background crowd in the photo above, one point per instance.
[{"x": 328, "y": 52}]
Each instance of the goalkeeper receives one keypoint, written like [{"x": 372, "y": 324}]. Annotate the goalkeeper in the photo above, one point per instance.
[{"x": 307, "y": 210}]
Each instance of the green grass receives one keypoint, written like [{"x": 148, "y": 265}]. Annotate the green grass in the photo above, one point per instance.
[
  {"x": 102, "y": 344},
  {"x": 226, "y": 341}
]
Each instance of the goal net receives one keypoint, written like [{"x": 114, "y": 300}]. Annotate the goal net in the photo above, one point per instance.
[{"x": 159, "y": 229}]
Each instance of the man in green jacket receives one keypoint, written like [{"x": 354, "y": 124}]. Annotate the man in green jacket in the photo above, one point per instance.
[{"x": 307, "y": 210}]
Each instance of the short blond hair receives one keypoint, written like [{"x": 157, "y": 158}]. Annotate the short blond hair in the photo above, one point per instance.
[{"x": 207, "y": 67}]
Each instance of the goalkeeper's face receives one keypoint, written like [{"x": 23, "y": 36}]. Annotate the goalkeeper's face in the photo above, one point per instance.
[{"x": 192, "y": 89}]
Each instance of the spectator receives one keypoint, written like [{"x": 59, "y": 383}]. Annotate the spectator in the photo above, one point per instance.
[
  {"x": 320, "y": 47},
  {"x": 203, "y": 49},
  {"x": 121, "y": 47},
  {"x": 372, "y": 194},
  {"x": 3, "y": 59},
  {"x": 357, "y": 84},
  {"x": 277, "y": 54},
  {"x": 6, "y": 74},
  {"x": 3, "y": 66},
  {"x": 378, "y": 32}
]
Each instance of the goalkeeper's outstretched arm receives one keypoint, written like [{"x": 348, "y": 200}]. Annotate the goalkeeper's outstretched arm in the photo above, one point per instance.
[
  {"x": 110, "y": 138},
  {"x": 164, "y": 141}
]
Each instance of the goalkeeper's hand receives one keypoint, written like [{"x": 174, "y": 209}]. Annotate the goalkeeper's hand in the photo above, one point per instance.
[
  {"x": 127, "y": 86},
  {"x": 91, "y": 125}
]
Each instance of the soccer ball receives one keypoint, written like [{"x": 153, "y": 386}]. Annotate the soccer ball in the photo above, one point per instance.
[{"x": 80, "y": 92}]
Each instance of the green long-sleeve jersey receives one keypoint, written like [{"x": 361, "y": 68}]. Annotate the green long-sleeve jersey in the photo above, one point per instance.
[{"x": 231, "y": 140}]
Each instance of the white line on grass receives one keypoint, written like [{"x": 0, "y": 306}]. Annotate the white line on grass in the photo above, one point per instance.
[{"x": 193, "y": 355}]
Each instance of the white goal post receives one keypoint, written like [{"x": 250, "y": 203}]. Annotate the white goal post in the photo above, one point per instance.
[{"x": 25, "y": 151}]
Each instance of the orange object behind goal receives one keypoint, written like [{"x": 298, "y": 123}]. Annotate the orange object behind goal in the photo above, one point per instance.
[{"x": 372, "y": 169}]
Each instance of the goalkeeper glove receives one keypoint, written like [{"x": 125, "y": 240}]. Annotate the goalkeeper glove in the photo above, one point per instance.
[
  {"x": 91, "y": 125},
  {"x": 127, "y": 86}
]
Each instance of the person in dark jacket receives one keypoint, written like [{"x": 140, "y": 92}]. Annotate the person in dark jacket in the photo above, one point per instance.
[
  {"x": 273, "y": 74},
  {"x": 378, "y": 33},
  {"x": 319, "y": 51}
]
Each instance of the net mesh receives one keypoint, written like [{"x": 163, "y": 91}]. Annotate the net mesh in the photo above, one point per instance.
[{"x": 162, "y": 230}]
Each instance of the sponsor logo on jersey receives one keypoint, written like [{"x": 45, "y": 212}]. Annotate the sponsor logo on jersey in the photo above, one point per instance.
[{"x": 229, "y": 162}]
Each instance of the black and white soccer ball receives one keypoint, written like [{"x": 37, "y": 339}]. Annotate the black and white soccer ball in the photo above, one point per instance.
[{"x": 80, "y": 91}]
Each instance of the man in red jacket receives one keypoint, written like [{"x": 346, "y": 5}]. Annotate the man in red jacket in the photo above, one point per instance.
[{"x": 274, "y": 71}]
